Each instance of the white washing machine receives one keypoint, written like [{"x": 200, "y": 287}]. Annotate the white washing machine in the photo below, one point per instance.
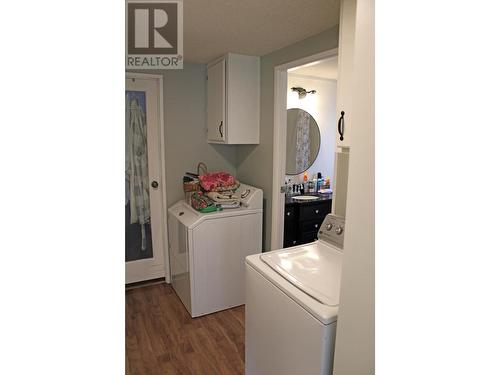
[
  {"x": 292, "y": 305},
  {"x": 207, "y": 252}
]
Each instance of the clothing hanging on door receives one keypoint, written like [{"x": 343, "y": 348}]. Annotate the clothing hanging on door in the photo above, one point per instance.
[{"x": 136, "y": 169}]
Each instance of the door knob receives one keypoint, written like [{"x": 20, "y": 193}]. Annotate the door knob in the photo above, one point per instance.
[{"x": 154, "y": 184}]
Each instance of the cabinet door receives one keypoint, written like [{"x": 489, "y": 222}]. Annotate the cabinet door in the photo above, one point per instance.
[
  {"x": 345, "y": 80},
  {"x": 290, "y": 227},
  {"x": 216, "y": 112}
]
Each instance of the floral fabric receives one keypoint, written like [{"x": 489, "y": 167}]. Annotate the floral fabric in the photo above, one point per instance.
[
  {"x": 218, "y": 181},
  {"x": 200, "y": 201},
  {"x": 136, "y": 168}
]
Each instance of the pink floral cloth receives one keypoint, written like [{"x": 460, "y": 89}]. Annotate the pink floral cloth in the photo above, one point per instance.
[{"x": 217, "y": 181}]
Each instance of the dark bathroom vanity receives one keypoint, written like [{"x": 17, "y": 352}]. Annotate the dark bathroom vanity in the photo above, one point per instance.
[{"x": 303, "y": 219}]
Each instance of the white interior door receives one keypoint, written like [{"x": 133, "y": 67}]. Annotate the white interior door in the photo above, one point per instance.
[{"x": 144, "y": 226}]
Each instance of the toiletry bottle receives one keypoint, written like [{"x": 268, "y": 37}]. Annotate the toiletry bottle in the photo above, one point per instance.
[
  {"x": 319, "y": 182},
  {"x": 327, "y": 183}
]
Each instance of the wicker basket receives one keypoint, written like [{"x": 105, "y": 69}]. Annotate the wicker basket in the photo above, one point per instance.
[
  {"x": 202, "y": 168},
  {"x": 187, "y": 196},
  {"x": 193, "y": 186}
]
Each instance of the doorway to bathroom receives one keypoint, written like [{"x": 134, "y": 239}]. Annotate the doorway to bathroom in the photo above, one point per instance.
[
  {"x": 145, "y": 195},
  {"x": 304, "y": 147}
]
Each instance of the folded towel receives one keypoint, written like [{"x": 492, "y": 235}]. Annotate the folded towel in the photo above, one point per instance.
[
  {"x": 226, "y": 198},
  {"x": 325, "y": 191},
  {"x": 228, "y": 204}
]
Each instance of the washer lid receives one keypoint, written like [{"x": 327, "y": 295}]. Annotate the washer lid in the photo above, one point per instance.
[{"x": 315, "y": 269}]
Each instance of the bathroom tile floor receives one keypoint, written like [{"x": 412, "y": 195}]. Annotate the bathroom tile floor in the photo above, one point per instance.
[{"x": 161, "y": 337}]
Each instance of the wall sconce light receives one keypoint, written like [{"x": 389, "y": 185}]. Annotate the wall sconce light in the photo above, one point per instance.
[{"x": 303, "y": 92}]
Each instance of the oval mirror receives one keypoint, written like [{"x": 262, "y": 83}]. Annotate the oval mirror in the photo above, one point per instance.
[{"x": 302, "y": 141}]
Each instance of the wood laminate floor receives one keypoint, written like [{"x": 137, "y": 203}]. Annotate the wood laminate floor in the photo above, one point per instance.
[{"x": 162, "y": 338}]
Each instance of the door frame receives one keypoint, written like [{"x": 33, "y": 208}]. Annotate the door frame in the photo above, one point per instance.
[
  {"x": 279, "y": 141},
  {"x": 165, "y": 270}
]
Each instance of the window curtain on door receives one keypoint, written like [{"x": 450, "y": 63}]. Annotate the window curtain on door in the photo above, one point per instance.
[
  {"x": 303, "y": 144},
  {"x": 136, "y": 159}
]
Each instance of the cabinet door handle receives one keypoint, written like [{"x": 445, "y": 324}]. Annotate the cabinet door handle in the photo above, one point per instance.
[
  {"x": 341, "y": 125},
  {"x": 220, "y": 129},
  {"x": 317, "y": 211}
]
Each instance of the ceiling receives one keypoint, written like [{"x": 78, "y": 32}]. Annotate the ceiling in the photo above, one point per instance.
[
  {"x": 327, "y": 68},
  {"x": 252, "y": 27}
]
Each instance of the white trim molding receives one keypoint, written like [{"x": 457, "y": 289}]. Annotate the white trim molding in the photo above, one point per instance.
[
  {"x": 298, "y": 75},
  {"x": 163, "y": 163}
]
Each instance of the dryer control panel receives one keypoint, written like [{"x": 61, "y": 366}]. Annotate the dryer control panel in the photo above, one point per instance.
[
  {"x": 250, "y": 197},
  {"x": 332, "y": 230}
]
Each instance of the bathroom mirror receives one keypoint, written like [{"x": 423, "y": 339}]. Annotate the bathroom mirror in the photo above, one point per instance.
[{"x": 302, "y": 141}]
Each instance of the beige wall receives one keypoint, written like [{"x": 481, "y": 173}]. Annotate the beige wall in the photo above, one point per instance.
[
  {"x": 255, "y": 162},
  {"x": 184, "y": 93}
]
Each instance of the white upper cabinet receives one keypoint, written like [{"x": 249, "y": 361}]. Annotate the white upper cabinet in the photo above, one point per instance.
[
  {"x": 233, "y": 104},
  {"x": 216, "y": 102},
  {"x": 346, "y": 80}
]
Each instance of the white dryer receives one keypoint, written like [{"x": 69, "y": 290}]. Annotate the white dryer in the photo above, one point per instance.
[
  {"x": 207, "y": 252},
  {"x": 292, "y": 305}
]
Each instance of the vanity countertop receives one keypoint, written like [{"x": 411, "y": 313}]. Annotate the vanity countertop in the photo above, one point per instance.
[{"x": 321, "y": 198}]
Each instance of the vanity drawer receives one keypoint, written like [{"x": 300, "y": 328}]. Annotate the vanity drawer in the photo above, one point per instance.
[
  {"x": 317, "y": 211},
  {"x": 290, "y": 213},
  {"x": 311, "y": 225},
  {"x": 303, "y": 220}
]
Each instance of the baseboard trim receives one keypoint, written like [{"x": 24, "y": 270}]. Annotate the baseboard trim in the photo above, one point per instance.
[{"x": 140, "y": 284}]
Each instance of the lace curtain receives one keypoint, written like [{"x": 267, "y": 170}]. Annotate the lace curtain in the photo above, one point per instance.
[{"x": 136, "y": 161}]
